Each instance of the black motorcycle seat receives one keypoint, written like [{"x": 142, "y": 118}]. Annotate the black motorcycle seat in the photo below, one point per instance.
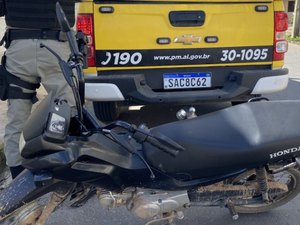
[{"x": 239, "y": 137}]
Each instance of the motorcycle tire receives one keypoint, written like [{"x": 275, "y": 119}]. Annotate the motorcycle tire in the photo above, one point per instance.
[
  {"x": 293, "y": 184},
  {"x": 107, "y": 111}
]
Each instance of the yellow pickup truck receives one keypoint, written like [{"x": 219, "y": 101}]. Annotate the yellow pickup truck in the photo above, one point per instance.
[{"x": 181, "y": 51}]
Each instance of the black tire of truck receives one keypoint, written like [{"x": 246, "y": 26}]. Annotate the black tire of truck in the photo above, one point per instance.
[{"x": 107, "y": 111}]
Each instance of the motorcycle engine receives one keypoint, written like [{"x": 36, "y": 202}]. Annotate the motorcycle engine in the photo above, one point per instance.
[{"x": 146, "y": 203}]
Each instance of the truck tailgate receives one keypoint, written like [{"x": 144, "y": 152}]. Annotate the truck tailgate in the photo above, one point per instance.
[{"x": 160, "y": 34}]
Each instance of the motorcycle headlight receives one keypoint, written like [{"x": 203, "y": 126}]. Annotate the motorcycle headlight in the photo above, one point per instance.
[
  {"x": 57, "y": 124},
  {"x": 56, "y": 128},
  {"x": 22, "y": 142}
]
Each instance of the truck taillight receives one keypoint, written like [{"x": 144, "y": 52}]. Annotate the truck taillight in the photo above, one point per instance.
[
  {"x": 280, "y": 43},
  {"x": 85, "y": 24}
]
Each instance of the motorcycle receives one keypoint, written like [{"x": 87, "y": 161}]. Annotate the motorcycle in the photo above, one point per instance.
[{"x": 245, "y": 157}]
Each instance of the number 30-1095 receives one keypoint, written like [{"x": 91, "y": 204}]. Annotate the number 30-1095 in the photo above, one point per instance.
[{"x": 244, "y": 54}]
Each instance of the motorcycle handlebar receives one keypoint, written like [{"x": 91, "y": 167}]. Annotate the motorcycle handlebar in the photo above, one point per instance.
[
  {"x": 161, "y": 146},
  {"x": 143, "y": 134},
  {"x": 158, "y": 140}
]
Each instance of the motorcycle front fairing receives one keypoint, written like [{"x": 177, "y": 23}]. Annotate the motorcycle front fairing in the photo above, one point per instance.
[
  {"x": 50, "y": 129},
  {"x": 47, "y": 128},
  {"x": 70, "y": 150}
]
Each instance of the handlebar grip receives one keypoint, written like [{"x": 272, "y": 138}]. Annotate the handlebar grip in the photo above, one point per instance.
[
  {"x": 162, "y": 147},
  {"x": 167, "y": 141}
]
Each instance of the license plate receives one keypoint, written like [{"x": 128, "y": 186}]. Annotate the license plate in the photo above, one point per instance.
[{"x": 187, "y": 80}]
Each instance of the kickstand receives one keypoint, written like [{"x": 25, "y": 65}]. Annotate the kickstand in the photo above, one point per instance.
[
  {"x": 232, "y": 210},
  {"x": 55, "y": 200}
]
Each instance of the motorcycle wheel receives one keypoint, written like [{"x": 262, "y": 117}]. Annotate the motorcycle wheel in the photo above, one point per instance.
[
  {"x": 26, "y": 215},
  {"x": 290, "y": 177}
]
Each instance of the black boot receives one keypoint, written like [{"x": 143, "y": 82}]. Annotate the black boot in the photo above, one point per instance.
[{"x": 15, "y": 171}]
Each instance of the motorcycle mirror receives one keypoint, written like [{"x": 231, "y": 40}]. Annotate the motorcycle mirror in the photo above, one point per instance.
[
  {"x": 62, "y": 20},
  {"x": 65, "y": 27},
  {"x": 76, "y": 56}
]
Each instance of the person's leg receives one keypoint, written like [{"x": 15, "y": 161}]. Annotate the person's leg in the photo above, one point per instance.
[
  {"x": 21, "y": 62},
  {"x": 17, "y": 115},
  {"x": 50, "y": 72}
]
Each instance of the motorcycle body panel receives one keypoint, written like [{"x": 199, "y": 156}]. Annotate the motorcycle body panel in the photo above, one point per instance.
[
  {"x": 92, "y": 162},
  {"x": 36, "y": 123},
  {"x": 210, "y": 152},
  {"x": 245, "y": 136}
]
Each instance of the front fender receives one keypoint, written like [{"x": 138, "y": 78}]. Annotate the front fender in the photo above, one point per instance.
[{"x": 26, "y": 188}]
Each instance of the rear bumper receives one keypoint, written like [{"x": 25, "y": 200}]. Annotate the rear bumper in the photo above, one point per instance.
[{"x": 235, "y": 85}]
